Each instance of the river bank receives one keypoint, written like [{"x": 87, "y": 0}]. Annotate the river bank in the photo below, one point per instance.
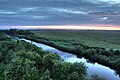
[
  {"x": 93, "y": 68},
  {"x": 94, "y": 54}
]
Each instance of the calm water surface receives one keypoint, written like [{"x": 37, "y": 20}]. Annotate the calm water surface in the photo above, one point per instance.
[{"x": 95, "y": 68}]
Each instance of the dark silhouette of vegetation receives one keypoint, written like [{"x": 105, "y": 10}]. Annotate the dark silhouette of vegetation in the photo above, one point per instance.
[
  {"x": 18, "y": 32},
  {"x": 96, "y": 77},
  {"x": 3, "y": 37}
]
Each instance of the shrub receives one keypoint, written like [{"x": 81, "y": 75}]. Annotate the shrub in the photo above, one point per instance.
[
  {"x": 78, "y": 67},
  {"x": 96, "y": 77}
]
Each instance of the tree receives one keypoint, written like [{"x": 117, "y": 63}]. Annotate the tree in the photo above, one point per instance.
[
  {"x": 117, "y": 52},
  {"x": 74, "y": 76},
  {"x": 96, "y": 77},
  {"x": 49, "y": 60},
  {"x": 80, "y": 68},
  {"x": 20, "y": 69},
  {"x": 60, "y": 70},
  {"x": 46, "y": 75}
]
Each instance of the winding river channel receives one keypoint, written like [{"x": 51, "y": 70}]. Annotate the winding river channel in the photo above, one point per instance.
[{"x": 92, "y": 68}]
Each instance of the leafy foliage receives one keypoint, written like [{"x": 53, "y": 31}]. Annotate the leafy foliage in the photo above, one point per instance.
[
  {"x": 87, "y": 47},
  {"x": 20, "y": 60},
  {"x": 96, "y": 77},
  {"x": 90, "y": 48}
]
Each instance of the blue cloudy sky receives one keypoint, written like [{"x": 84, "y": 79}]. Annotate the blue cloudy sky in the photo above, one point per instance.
[{"x": 59, "y": 12}]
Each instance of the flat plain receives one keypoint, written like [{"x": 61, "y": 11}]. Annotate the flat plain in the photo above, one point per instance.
[{"x": 92, "y": 38}]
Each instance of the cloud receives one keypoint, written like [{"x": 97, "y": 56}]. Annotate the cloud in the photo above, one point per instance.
[
  {"x": 106, "y": 13},
  {"x": 111, "y": 1},
  {"x": 59, "y": 12},
  {"x": 104, "y": 18},
  {"x": 69, "y": 10},
  {"x": 38, "y": 17},
  {"x": 6, "y": 12},
  {"x": 28, "y": 9}
]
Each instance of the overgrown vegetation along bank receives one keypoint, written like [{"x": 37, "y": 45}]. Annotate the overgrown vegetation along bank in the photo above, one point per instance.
[
  {"x": 110, "y": 58},
  {"x": 20, "y": 60},
  {"x": 3, "y": 37}
]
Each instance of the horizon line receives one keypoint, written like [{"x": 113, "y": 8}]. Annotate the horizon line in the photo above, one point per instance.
[{"x": 68, "y": 27}]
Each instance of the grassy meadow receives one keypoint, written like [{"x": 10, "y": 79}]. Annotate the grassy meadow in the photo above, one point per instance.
[{"x": 104, "y": 39}]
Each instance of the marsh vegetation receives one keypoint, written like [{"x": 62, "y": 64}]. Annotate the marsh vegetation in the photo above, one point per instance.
[
  {"x": 102, "y": 49},
  {"x": 20, "y": 60}
]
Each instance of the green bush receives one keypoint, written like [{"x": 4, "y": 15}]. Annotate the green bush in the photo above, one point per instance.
[
  {"x": 96, "y": 77},
  {"x": 20, "y": 60}
]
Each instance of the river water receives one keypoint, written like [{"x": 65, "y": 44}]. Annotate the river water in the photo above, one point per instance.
[{"x": 95, "y": 68}]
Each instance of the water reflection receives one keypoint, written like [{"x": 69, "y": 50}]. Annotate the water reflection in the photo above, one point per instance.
[{"x": 95, "y": 68}]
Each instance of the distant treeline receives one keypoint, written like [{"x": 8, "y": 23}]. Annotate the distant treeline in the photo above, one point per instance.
[{"x": 18, "y": 32}]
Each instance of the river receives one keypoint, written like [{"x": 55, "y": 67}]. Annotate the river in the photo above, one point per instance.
[
  {"x": 95, "y": 68},
  {"x": 92, "y": 68}
]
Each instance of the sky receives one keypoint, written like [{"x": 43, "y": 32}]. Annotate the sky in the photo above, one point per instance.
[{"x": 65, "y": 14}]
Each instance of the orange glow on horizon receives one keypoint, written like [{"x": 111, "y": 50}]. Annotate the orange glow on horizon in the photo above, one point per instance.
[{"x": 82, "y": 27}]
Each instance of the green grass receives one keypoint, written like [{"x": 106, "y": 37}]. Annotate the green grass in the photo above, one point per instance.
[{"x": 104, "y": 39}]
